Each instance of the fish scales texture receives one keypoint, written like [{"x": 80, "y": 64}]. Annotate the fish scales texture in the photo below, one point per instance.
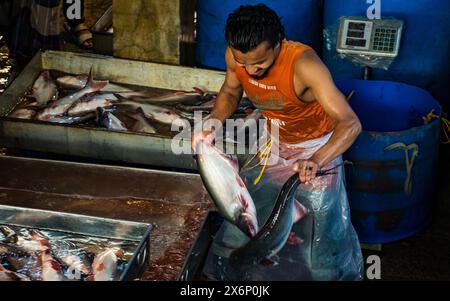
[{"x": 226, "y": 188}]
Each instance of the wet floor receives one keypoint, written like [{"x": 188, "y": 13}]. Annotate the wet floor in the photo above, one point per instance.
[{"x": 175, "y": 225}]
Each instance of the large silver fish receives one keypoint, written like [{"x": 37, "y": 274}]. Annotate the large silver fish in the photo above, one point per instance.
[
  {"x": 51, "y": 269},
  {"x": 229, "y": 193},
  {"x": 44, "y": 89},
  {"x": 105, "y": 264},
  {"x": 74, "y": 263},
  {"x": 158, "y": 113},
  {"x": 20, "y": 244},
  {"x": 109, "y": 121},
  {"x": 90, "y": 102},
  {"x": 72, "y": 119},
  {"x": 79, "y": 81},
  {"x": 180, "y": 97},
  {"x": 142, "y": 125},
  {"x": 60, "y": 106}
]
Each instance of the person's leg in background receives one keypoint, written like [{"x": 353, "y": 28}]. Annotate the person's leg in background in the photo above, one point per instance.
[
  {"x": 34, "y": 26},
  {"x": 75, "y": 23}
]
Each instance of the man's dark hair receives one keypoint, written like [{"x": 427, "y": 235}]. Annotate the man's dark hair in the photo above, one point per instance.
[{"x": 250, "y": 25}]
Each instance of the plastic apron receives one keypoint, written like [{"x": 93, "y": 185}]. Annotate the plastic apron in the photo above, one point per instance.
[{"x": 328, "y": 248}]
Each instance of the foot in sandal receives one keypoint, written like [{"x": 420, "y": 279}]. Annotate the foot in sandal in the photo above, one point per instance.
[{"x": 81, "y": 35}]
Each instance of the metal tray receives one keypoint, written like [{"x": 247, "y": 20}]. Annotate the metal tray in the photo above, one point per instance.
[
  {"x": 86, "y": 226},
  {"x": 96, "y": 143},
  {"x": 175, "y": 203}
]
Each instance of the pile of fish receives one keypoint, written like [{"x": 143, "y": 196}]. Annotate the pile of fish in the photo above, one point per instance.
[
  {"x": 81, "y": 99},
  {"x": 31, "y": 256}
]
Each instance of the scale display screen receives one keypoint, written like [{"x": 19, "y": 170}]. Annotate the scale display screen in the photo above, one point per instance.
[{"x": 370, "y": 37}]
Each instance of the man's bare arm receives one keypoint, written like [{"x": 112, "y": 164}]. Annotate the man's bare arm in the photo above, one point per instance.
[
  {"x": 226, "y": 103},
  {"x": 230, "y": 94},
  {"x": 315, "y": 75}
]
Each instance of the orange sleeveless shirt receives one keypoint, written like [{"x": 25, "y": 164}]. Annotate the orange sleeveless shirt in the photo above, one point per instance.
[{"x": 275, "y": 96}]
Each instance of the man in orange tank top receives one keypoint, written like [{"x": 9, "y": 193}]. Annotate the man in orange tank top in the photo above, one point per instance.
[{"x": 294, "y": 90}]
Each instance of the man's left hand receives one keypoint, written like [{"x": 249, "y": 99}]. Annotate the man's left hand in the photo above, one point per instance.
[{"x": 306, "y": 169}]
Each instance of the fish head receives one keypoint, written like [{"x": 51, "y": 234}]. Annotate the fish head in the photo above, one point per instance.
[{"x": 247, "y": 223}]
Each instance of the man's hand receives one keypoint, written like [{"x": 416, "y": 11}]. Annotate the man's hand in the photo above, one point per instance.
[
  {"x": 306, "y": 169},
  {"x": 207, "y": 135}
]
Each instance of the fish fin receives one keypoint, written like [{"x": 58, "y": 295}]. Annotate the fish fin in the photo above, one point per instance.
[
  {"x": 293, "y": 239},
  {"x": 95, "y": 85},
  {"x": 298, "y": 212},
  {"x": 233, "y": 161}
]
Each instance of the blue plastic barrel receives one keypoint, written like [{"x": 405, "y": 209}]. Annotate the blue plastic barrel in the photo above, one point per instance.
[
  {"x": 392, "y": 180},
  {"x": 423, "y": 59},
  {"x": 302, "y": 21}
]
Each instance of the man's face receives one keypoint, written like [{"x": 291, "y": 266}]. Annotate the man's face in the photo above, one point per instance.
[{"x": 258, "y": 60}]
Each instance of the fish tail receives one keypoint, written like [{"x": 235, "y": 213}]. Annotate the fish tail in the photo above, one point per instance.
[{"x": 95, "y": 85}]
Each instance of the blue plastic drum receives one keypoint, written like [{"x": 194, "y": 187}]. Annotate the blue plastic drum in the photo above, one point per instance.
[
  {"x": 391, "y": 183},
  {"x": 302, "y": 21}
]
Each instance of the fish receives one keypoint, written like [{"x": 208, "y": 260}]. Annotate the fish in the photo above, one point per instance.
[
  {"x": 7, "y": 275},
  {"x": 142, "y": 125},
  {"x": 158, "y": 113},
  {"x": 43, "y": 242},
  {"x": 71, "y": 119},
  {"x": 105, "y": 264},
  {"x": 108, "y": 120},
  {"x": 18, "y": 244},
  {"x": 275, "y": 232},
  {"x": 60, "y": 106},
  {"x": 79, "y": 81},
  {"x": 206, "y": 106},
  {"x": 51, "y": 269},
  {"x": 75, "y": 263},
  {"x": 220, "y": 175},
  {"x": 179, "y": 97},
  {"x": 10, "y": 234},
  {"x": 44, "y": 89},
  {"x": 90, "y": 102},
  {"x": 9, "y": 250}
]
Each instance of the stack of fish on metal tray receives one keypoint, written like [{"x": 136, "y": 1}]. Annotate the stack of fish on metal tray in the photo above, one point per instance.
[
  {"x": 86, "y": 99},
  {"x": 33, "y": 257}
]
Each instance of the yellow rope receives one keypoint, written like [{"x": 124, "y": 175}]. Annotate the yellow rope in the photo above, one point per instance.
[
  {"x": 445, "y": 125},
  {"x": 256, "y": 154},
  {"x": 263, "y": 153}
]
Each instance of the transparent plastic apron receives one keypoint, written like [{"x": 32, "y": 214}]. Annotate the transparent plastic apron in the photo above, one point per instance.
[{"x": 326, "y": 245}]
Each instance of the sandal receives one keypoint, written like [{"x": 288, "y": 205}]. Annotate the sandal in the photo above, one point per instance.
[{"x": 81, "y": 35}]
